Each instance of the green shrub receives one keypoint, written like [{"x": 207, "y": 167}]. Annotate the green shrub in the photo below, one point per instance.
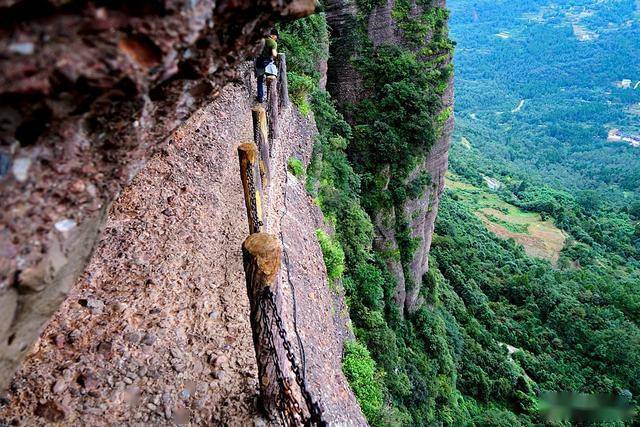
[
  {"x": 305, "y": 42},
  {"x": 333, "y": 255},
  {"x": 365, "y": 380},
  {"x": 300, "y": 86},
  {"x": 295, "y": 166}
]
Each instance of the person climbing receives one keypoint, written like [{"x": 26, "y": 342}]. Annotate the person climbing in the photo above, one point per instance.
[{"x": 265, "y": 62}]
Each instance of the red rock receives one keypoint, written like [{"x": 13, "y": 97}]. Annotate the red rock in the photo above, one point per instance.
[{"x": 77, "y": 186}]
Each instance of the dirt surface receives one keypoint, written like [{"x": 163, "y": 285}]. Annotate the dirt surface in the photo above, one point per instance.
[
  {"x": 157, "y": 331},
  {"x": 541, "y": 240}
]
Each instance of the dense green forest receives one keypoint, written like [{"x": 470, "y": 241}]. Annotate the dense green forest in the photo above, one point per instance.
[
  {"x": 498, "y": 327},
  {"x": 531, "y": 51}
]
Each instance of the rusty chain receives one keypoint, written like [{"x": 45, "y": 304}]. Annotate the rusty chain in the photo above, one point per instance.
[{"x": 288, "y": 404}]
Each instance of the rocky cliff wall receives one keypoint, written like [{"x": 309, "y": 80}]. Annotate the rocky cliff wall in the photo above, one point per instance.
[
  {"x": 346, "y": 87},
  {"x": 156, "y": 330},
  {"x": 89, "y": 90}
]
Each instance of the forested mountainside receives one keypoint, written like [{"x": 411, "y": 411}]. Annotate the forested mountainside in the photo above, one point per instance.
[
  {"x": 542, "y": 83},
  {"x": 378, "y": 176},
  {"x": 540, "y": 86},
  {"x": 534, "y": 275}
]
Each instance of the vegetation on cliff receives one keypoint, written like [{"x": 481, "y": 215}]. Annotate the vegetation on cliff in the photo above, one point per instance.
[
  {"x": 498, "y": 327},
  {"x": 416, "y": 379}
]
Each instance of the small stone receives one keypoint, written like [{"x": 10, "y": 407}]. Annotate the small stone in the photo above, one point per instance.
[
  {"x": 127, "y": 380},
  {"x": 20, "y": 168},
  {"x": 74, "y": 336},
  {"x": 175, "y": 352},
  {"x": 120, "y": 307},
  {"x": 149, "y": 339},
  {"x": 168, "y": 212},
  {"x": 77, "y": 186},
  {"x": 166, "y": 398},
  {"x": 151, "y": 406},
  {"x": 142, "y": 371},
  {"x": 185, "y": 394},
  {"x": 218, "y": 361},
  {"x": 213, "y": 314},
  {"x": 59, "y": 340},
  {"x": 104, "y": 347},
  {"x": 219, "y": 375},
  {"x": 177, "y": 365},
  {"x": 132, "y": 375},
  {"x": 60, "y": 386},
  {"x": 65, "y": 225},
  {"x": 22, "y": 48},
  {"x": 133, "y": 337},
  {"x": 198, "y": 367},
  {"x": 259, "y": 422},
  {"x": 92, "y": 190},
  {"x": 95, "y": 305}
]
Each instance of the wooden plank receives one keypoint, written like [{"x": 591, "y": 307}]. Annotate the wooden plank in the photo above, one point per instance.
[
  {"x": 261, "y": 139},
  {"x": 252, "y": 185}
]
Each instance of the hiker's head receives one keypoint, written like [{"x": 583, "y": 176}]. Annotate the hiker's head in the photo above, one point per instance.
[{"x": 274, "y": 34}]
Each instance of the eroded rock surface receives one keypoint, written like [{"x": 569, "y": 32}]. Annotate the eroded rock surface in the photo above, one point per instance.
[
  {"x": 89, "y": 90},
  {"x": 156, "y": 331}
]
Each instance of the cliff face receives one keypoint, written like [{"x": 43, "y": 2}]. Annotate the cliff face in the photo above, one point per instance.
[
  {"x": 346, "y": 87},
  {"x": 88, "y": 92},
  {"x": 156, "y": 330}
]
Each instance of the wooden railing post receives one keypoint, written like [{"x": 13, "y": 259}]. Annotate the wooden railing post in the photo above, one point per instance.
[
  {"x": 261, "y": 139},
  {"x": 283, "y": 83},
  {"x": 261, "y": 255},
  {"x": 252, "y": 185},
  {"x": 272, "y": 107}
]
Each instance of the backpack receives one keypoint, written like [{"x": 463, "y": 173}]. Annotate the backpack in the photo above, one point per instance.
[{"x": 271, "y": 69}]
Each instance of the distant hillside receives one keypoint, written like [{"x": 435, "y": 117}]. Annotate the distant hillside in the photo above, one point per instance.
[{"x": 575, "y": 64}]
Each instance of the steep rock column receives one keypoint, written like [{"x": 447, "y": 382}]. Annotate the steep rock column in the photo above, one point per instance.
[
  {"x": 345, "y": 84},
  {"x": 343, "y": 81}
]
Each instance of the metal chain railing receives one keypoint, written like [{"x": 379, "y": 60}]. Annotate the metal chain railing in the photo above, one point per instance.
[
  {"x": 288, "y": 404},
  {"x": 270, "y": 334}
]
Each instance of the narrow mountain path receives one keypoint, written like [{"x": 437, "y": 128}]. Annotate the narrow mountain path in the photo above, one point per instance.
[{"x": 157, "y": 329}]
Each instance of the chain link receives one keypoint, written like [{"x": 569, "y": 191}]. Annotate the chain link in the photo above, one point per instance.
[{"x": 287, "y": 401}]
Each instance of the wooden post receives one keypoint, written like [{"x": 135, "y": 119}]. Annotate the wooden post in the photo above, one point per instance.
[
  {"x": 261, "y": 139},
  {"x": 252, "y": 185},
  {"x": 283, "y": 82},
  {"x": 272, "y": 108},
  {"x": 261, "y": 255}
]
